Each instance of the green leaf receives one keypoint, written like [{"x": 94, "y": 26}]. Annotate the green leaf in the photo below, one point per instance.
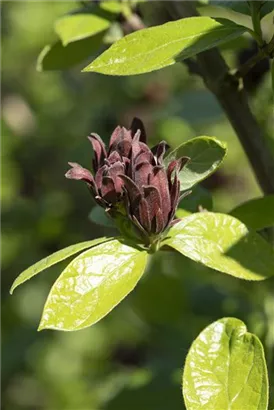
[
  {"x": 53, "y": 259},
  {"x": 223, "y": 243},
  {"x": 92, "y": 285},
  {"x": 206, "y": 155},
  {"x": 267, "y": 8},
  {"x": 257, "y": 213},
  {"x": 78, "y": 26},
  {"x": 99, "y": 216},
  {"x": 157, "y": 47},
  {"x": 58, "y": 57},
  {"x": 225, "y": 369}
]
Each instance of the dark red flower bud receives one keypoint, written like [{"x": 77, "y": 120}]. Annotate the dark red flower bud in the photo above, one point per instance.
[{"x": 132, "y": 177}]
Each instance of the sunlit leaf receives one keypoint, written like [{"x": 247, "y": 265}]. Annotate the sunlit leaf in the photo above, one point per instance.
[
  {"x": 257, "y": 213},
  {"x": 223, "y": 243},
  {"x": 225, "y": 369},
  {"x": 206, "y": 155},
  {"x": 78, "y": 26},
  {"x": 92, "y": 285},
  {"x": 53, "y": 259},
  {"x": 157, "y": 47},
  {"x": 58, "y": 57}
]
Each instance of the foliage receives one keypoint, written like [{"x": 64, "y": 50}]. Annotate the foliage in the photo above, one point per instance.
[
  {"x": 225, "y": 368},
  {"x": 91, "y": 286}
]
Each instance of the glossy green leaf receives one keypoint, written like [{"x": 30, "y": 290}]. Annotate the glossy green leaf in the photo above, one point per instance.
[
  {"x": 157, "y": 47},
  {"x": 92, "y": 285},
  {"x": 78, "y": 26},
  {"x": 225, "y": 369},
  {"x": 98, "y": 216},
  {"x": 257, "y": 213},
  {"x": 53, "y": 259},
  {"x": 58, "y": 57},
  {"x": 223, "y": 243},
  {"x": 206, "y": 155}
]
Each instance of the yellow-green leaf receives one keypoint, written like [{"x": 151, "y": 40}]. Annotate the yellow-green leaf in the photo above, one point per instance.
[
  {"x": 73, "y": 27},
  {"x": 223, "y": 243},
  {"x": 53, "y": 259},
  {"x": 225, "y": 369},
  {"x": 157, "y": 47},
  {"x": 92, "y": 285}
]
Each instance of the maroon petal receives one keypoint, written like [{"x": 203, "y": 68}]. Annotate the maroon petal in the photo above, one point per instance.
[
  {"x": 136, "y": 125},
  {"x": 141, "y": 174},
  {"x": 160, "y": 223},
  {"x": 124, "y": 147},
  {"x": 116, "y": 137},
  {"x": 79, "y": 173},
  {"x": 114, "y": 171},
  {"x": 182, "y": 162},
  {"x": 137, "y": 148},
  {"x": 99, "y": 150},
  {"x": 158, "y": 179},
  {"x": 144, "y": 215},
  {"x": 99, "y": 176},
  {"x": 174, "y": 197},
  {"x": 114, "y": 157},
  {"x": 134, "y": 193},
  {"x": 175, "y": 192},
  {"x": 108, "y": 190},
  {"x": 174, "y": 222},
  {"x": 159, "y": 151},
  {"x": 144, "y": 157},
  {"x": 152, "y": 196}
]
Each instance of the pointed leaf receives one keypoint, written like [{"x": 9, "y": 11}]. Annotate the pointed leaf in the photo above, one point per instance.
[
  {"x": 78, "y": 26},
  {"x": 98, "y": 216},
  {"x": 257, "y": 213},
  {"x": 223, "y": 243},
  {"x": 157, "y": 47},
  {"x": 92, "y": 285},
  {"x": 53, "y": 259},
  {"x": 206, "y": 155},
  {"x": 58, "y": 57},
  {"x": 225, "y": 369}
]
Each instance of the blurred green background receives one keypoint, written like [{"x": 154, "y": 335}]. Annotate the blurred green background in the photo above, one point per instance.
[{"x": 133, "y": 358}]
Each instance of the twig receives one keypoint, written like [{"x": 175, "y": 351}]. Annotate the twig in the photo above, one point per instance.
[{"x": 233, "y": 99}]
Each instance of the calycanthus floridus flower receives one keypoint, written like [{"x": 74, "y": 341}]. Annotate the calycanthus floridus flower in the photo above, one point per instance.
[{"x": 131, "y": 182}]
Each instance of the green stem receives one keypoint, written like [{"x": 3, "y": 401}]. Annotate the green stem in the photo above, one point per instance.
[{"x": 256, "y": 20}]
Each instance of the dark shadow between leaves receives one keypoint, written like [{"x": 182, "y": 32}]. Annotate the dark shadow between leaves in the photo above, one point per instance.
[{"x": 253, "y": 253}]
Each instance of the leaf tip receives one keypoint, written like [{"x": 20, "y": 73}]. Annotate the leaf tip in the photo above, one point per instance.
[{"x": 88, "y": 68}]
